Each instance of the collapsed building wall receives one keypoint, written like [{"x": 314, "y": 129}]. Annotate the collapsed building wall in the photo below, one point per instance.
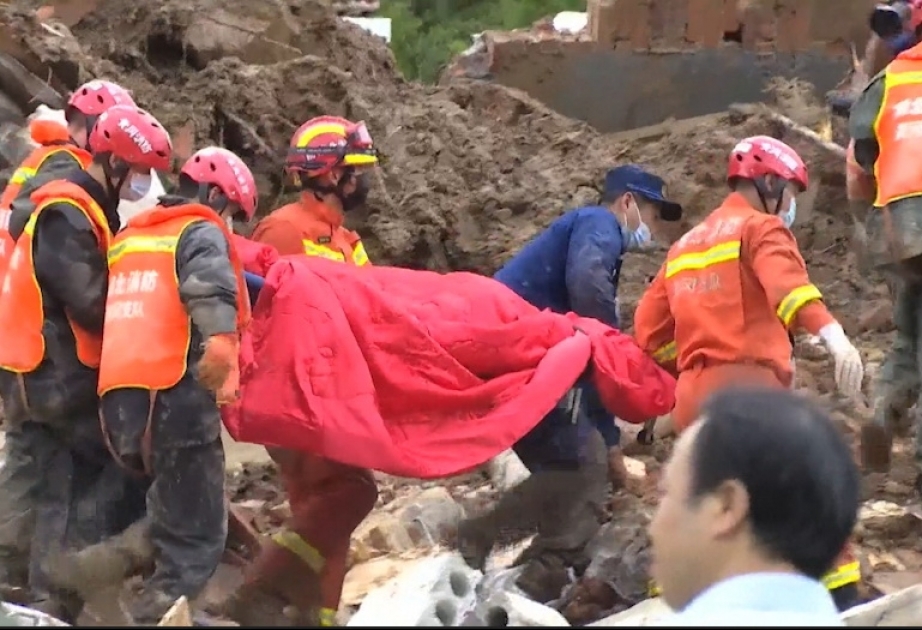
[{"x": 643, "y": 62}]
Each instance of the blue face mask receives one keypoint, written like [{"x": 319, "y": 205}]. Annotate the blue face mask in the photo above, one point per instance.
[
  {"x": 788, "y": 217},
  {"x": 640, "y": 238}
]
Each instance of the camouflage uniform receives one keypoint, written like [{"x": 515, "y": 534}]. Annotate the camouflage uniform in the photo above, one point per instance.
[
  {"x": 895, "y": 248},
  {"x": 58, "y": 484},
  {"x": 186, "y": 506}
]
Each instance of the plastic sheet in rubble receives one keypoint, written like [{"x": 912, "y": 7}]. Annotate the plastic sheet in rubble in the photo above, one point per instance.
[{"x": 13, "y": 615}]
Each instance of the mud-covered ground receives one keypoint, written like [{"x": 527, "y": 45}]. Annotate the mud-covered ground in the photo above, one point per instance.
[{"x": 471, "y": 171}]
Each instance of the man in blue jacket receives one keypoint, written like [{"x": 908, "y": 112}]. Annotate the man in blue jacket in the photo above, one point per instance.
[{"x": 575, "y": 263}]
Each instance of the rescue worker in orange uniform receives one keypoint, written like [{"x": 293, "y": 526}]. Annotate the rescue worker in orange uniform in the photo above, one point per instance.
[
  {"x": 719, "y": 310},
  {"x": 178, "y": 298},
  {"x": 886, "y": 127},
  {"x": 60, "y": 150},
  {"x": 305, "y": 565},
  {"x": 52, "y": 306}
]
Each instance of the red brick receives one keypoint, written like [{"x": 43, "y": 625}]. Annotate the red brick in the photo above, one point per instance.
[
  {"x": 731, "y": 16},
  {"x": 705, "y": 22},
  {"x": 793, "y": 25},
  {"x": 603, "y": 21},
  {"x": 668, "y": 22},
  {"x": 632, "y": 22}
]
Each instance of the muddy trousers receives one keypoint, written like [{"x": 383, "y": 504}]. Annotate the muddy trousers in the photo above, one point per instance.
[
  {"x": 58, "y": 492},
  {"x": 305, "y": 564},
  {"x": 563, "y": 499},
  {"x": 173, "y": 440},
  {"x": 898, "y": 385}
]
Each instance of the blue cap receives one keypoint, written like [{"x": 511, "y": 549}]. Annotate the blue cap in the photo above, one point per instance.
[{"x": 632, "y": 178}]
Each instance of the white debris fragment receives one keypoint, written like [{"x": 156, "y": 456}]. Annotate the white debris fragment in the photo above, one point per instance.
[{"x": 438, "y": 591}]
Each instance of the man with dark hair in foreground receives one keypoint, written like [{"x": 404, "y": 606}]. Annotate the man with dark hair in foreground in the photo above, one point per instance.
[{"x": 759, "y": 497}]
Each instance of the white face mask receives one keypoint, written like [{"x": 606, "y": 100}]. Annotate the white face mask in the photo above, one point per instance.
[
  {"x": 137, "y": 186},
  {"x": 639, "y": 239},
  {"x": 788, "y": 217}
]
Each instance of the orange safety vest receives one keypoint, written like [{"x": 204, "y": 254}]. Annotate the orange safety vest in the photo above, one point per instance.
[
  {"x": 898, "y": 129},
  {"x": 49, "y": 145},
  {"x": 26, "y": 171},
  {"x": 21, "y": 305},
  {"x": 144, "y": 302}
]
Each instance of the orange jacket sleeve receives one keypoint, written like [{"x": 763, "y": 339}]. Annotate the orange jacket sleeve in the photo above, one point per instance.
[
  {"x": 782, "y": 272},
  {"x": 654, "y": 326},
  {"x": 280, "y": 234}
]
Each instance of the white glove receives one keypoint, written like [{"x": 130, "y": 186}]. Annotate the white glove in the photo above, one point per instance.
[{"x": 849, "y": 369}]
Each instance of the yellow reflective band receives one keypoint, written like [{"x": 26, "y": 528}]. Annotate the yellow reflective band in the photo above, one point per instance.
[
  {"x": 842, "y": 575},
  {"x": 301, "y": 548},
  {"x": 902, "y": 78},
  {"x": 359, "y": 255},
  {"x": 319, "y": 130},
  {"x": 22, "y": 174},
  {"x": 795, "y": 300},
  {"x": 359, "y": 159},
  {"x": 326, "y": 617},
  {"x": 321, "y": 251},
  {"x": 699, "y": 260},
  {"x": 666, "y": 353},
  {"x": 142, "y": 245},
  {"x": 33, "y": 218}
]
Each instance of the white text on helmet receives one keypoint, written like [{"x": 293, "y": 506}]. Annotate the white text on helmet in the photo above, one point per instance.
[
  {"x": 136, "y": 136},
  {"x": 775, "y": 151}
]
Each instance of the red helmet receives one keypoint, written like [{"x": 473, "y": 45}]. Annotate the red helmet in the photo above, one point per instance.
[
  {"x": 915, "y": 14},
  {"x": 133, "y": 136},
  {"x": 325, "y": 142},
  {"x": 759, "y": 156},
  {"x": 222, "y": 168},
  {"x": 95, "y": 97}
]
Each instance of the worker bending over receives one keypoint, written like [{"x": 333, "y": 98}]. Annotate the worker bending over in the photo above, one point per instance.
[
  {"x": 305, "y": 565},
  {"x": 720, "y": 308},
  {"x": 178, "y": 299},
  {"x": 575, "y": 264},
  {"x": 51, "y": 306},
  {"x": 886, "y": 147}
]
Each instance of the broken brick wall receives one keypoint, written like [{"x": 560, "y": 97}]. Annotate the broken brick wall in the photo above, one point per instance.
[
  {"x": 650, "y": 60},
  {"x": 761, "y": 25}
]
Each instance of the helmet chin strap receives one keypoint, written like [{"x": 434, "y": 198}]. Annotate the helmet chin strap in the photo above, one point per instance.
[
  {"x": 313, "y": 185},
  {"x": 120, "y": 172},
  {"x": 765, "y": 192}
]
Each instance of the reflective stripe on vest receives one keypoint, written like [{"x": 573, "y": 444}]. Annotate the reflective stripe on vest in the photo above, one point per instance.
[
  {"x": 313, "y": 248},
  {"x": 898, "y": 129},
  {"x": 144, "y": 304},
  {"x": 843, "y": 575},
  {"x": 30, "y": 166},
  {"x": 21, "y": 303}
]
